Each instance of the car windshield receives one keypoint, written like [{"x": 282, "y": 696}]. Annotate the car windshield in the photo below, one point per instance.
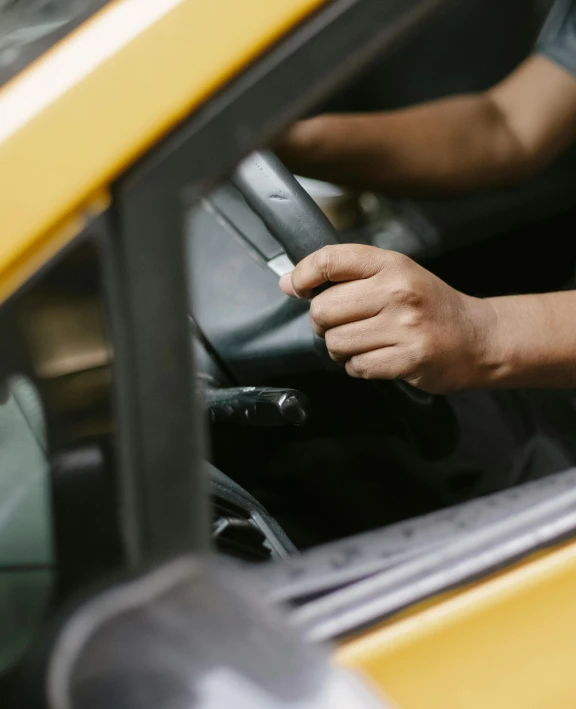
[{"x": 30, "y": 27}]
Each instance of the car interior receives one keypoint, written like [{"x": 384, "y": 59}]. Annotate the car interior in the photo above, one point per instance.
[{"x": 325, "y": 481}]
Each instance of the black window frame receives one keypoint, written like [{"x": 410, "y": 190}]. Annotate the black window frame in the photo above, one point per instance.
[{"x": 163, "y": 486}]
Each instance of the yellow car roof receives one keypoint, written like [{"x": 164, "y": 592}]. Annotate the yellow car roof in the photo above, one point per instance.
[{"x": 83, "y": 112}]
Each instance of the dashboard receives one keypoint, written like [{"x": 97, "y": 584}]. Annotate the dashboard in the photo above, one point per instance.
[{"x": 249, "y": 330}]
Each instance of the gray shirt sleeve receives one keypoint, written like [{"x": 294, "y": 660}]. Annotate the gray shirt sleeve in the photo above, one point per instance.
[{"x": 557, "y": 40}]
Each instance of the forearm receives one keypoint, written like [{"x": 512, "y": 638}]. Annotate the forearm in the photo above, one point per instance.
[
  {"x": 533, "y": 342},
  {"x": 446, "y": 146}
]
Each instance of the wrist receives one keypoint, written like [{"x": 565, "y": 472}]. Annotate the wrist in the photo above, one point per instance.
[
  {"x": 527, "y": 342},
  {"x": 489, "y": 361}
]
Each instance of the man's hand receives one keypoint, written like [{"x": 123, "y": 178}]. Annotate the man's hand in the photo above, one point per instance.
[{"x": 385, "y": 317}]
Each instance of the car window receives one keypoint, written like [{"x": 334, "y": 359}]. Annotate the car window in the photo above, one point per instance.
[
  {"x": 57, "y": 507},
  {"x": 26, "y": 549},
  {"x": 28, "y": 28}
]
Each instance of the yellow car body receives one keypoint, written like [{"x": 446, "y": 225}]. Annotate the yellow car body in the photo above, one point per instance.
[{"x": 76, "y": 120}]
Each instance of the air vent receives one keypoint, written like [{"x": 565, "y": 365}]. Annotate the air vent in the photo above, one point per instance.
[{"x": 236, "y": 534}]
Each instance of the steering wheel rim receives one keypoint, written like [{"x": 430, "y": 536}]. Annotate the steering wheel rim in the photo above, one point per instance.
[{"x": 296, "y": 221}]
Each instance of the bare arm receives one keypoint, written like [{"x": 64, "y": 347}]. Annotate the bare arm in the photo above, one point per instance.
[
  {"x": 450, "y": 145},
  {"x": 534, "y": 341}
]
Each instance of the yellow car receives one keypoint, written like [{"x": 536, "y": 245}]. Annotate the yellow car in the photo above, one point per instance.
[{"x": 161, "y": 400}]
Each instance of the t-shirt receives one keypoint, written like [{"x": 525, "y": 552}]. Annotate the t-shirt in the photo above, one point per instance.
[{"x": 557, "y": 40}]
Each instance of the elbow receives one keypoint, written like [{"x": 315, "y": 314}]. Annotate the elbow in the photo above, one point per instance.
[{"x": 516, "y": 156}]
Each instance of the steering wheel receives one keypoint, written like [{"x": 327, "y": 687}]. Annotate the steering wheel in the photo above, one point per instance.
[{"x": 296, "y": 221}]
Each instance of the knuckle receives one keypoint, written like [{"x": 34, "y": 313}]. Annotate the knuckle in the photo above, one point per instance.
[
  {"x": 396, "y": 285},
  {"x": 336, "y": 344},
  {"x": 397, "y": 260},
  {"x": 397, "y": 266},
  {"x": 419, "y": 351},
  {"x": 297, "y": 279},
  {"x": 407, "y": 371},
  {"x": 404, "y": 290},
  {"x": 414, "y": 300},
  {"x": 358, "y": 368},
  {"x": 326, "y": 259},
  {"x": 415, "y": 359},
  {"x": 318, "y": 313},
  {"x": 411, "y": 318},
  {"x": 332, "y": 342},
  {"x": 357, "y": 250}
]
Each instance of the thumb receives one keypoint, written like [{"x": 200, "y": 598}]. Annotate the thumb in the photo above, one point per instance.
[{"x": 286, "y": 286}]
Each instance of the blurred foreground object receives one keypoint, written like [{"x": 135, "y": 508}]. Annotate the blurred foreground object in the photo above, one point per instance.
[{"x": 193, "y": 635}]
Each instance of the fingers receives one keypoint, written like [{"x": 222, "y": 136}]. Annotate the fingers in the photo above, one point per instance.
[
  {"x": 337, "y": 264},
  {"x": 355, "y": 338},
  {"x": 392, "y": 296},
  {"x": 285, "y": 284},
  {"x": 343, "y": 303},
  {"x": 375, "y": 317},
  {"x": 385, "y": 363},
  {"x": 300, "y": 138},
  {"x": 304, "y": 144},
  {"x": 386, "y": 317}
]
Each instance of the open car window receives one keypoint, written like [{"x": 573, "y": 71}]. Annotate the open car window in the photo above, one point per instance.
[{"x": 58, "y": 505}]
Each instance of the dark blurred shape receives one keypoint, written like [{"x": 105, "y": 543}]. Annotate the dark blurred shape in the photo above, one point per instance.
[
  {"x": 469, "y": 46},
  {"x": 257, "y": 406}
]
